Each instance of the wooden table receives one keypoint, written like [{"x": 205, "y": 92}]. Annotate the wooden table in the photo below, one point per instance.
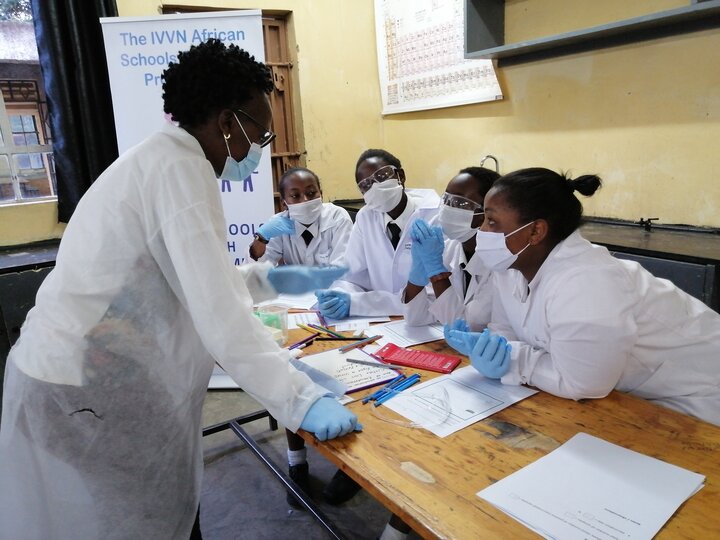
[{"x": 431, "y": 482}]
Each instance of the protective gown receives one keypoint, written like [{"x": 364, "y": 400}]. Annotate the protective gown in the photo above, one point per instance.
[{"x": 101, "y": 426}]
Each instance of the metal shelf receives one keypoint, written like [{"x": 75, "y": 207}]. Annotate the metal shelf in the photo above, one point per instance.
[{"x": 484, "y": 31}]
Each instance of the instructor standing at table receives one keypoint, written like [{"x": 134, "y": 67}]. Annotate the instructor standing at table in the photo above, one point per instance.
[{"x": 101, "y": 434}]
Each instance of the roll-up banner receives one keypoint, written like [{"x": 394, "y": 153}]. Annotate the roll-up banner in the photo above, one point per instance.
[{"x": 138, "y": 49}]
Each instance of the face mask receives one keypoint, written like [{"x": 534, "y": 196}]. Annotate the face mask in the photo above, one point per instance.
[
  {"x": 384, "y": 196},
  {"x": 455, "y": 222},
  {"x": 237, "y": 171},
  {"x": 493, "y": 251},
  {"x": 305, "y": 212}
]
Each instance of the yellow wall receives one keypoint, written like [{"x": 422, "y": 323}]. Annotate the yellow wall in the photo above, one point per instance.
[
  {"x": 643, "y": 116},
  {"x": 29, "y": 222},
  {"x": 646, "y": 116}
]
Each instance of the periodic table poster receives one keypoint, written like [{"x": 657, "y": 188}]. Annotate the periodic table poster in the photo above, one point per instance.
[{"x": 420, "y": 47}]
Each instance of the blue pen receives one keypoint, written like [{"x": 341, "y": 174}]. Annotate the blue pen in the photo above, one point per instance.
[
  {"x": 399, "y": 388},
  {"x": 382, "y": 390},
  {"x": 391, "y": 388}
]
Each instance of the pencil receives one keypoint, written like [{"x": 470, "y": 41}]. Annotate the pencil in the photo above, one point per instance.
[
  {"x": 308, "y": 329},
  {"x": 361, "y": 343},
  {"x": 373, "y": 364},
  {"x": 304, "y": 341},
  {"x": 326, "y": 330}
]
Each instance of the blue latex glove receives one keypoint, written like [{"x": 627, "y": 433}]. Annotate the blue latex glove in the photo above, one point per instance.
[
  {"x": 491, "y": 355},
  {"x": 276, "y": 226},
  {"x": 417, "y": 274},
  {"x": 296, "y": 279},
  {"x": 458, "y": 343},
  {"x": 463, "y": 341},
  {"x": 333, "y": 304},
  {"x": 431, "y": 246},
  {"x": 327, "y": 419}
]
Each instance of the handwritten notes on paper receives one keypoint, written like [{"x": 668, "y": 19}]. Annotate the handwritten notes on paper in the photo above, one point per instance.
[{"x": 354, "y": 376}]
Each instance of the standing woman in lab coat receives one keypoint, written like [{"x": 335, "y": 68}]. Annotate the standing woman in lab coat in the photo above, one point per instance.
[
  {"x": 441, "y": 255},
  {"x": 574, "y": 321},
  {"x": 101, "y": 418},
  {"x": 307, "y": 231}
]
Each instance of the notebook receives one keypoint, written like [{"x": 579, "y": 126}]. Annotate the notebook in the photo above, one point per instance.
[{"x": 431, "y": 361}]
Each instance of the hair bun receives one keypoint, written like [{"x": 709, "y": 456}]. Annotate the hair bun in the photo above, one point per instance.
[{"x": 587, "y": 184}]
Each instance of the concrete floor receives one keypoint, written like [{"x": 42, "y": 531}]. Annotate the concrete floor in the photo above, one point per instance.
[{"x": 241, "y": 499}]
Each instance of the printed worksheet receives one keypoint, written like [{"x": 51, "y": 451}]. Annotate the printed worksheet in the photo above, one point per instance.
[
  {"x": 404, "y": 335},
  {"x": 590, "y": 488},
  {"x": 449, "y": 403}
]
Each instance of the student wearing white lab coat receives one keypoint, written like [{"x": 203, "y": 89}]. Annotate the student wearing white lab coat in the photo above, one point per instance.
[
  {"x": 456, "y": 293},
  {"x": 307, "y": 231},
  {"x": 574, "y": 321},
  {"x": 101, "y": 418},
  {"x": 378, "y": 270}
]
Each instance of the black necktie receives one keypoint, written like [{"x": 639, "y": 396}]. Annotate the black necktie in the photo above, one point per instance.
[
  {"x": 467, "y": 277},
  {"x": 394, "y": 231},
  {"x": 307, "y": 236}
]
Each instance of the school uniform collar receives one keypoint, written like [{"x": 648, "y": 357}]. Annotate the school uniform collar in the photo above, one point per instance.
[{"x": 403, "y": 219}]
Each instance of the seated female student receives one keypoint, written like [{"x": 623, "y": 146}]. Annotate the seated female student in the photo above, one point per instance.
[
  {"x": 307, "y": 231},
  {"x": 440, "y": 262},
  {"x": 574, "y": 321}
]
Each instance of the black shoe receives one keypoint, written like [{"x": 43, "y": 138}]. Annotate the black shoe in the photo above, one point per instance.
[
  {"x": 340, "y": 489},
  {"x": 301, "y": 476}
]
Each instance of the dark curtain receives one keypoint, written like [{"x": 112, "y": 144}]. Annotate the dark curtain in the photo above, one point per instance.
[{"x": 74, "y": 69}]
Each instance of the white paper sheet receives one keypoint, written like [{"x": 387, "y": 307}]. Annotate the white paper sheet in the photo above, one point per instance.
[
  {"x": 220, "y": 380},
  {"x": 355, "y": 376},
  {"x": 306, "y": 317},
  {"x": 355, "y": 324},
  {"x": 590, "y": 488},
  {"x": 403, "y": 335},
  {"x": 449, "y": 403}
]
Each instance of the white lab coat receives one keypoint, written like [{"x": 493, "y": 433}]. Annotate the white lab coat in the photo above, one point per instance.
[
  {"x": 327, "y": 248},
  {"x": 591, "y": 323},
  {"x": 474, "y": 306},
  {"x": 378, "y": 273},
  {"x": 101, "y": 419}
]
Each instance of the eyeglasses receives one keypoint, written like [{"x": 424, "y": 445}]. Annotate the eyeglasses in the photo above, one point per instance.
[
  {"x": 267, "y": 136},
  {"x": 383, "y": 173},
  {"x": 458, "y": 201}
]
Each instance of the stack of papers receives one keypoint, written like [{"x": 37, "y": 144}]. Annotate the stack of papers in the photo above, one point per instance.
[{"x": 590, "y": 488}]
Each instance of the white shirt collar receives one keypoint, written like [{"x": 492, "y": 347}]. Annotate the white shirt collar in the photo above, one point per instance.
[{"x": 403, "y": 219}]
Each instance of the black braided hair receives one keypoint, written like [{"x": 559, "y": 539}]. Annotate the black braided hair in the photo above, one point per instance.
[
  {"x": 210, "y": 77},
  {"x": 287, "y": 174},
  {"x": 386, "y": 156},
  {"x": 538, "y": 193}
]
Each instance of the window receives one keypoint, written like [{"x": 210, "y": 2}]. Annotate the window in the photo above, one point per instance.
[{"x": 27, "y": 168}]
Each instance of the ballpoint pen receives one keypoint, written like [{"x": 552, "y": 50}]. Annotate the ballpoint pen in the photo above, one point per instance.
[
  {"x": 407, "y": 383},
  {"x": 382, "y": 390}
]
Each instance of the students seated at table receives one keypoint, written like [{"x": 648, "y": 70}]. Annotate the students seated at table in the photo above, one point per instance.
[
  {"x": 307, "y": 231},
  {"x": 574, "y": 321},
  {"x": 440, "y": 254},
  {"x": 378, "y": 252}
]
